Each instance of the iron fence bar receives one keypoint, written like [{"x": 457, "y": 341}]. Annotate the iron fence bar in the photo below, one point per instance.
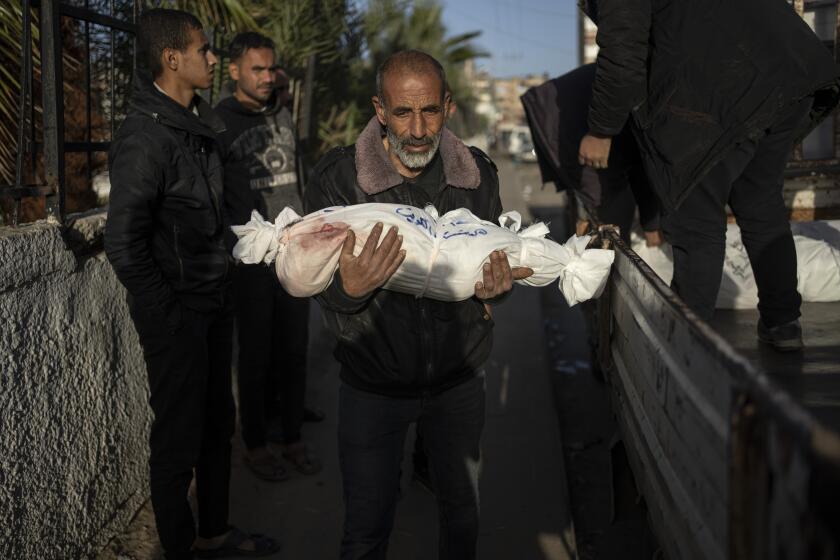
[
  {"x": 84, "y": 14},
  {"x": 112, "y": 67},
  {"x": 82, "y": 147},
  {"x": 25, "y": 84},
  {"x": 86, "y": 147},
  {"x": 21, "y": 191},
  {"x": 33, "y": 132},
  {"x": 88, "y": 109},
  {"x": 52, "y": 146},
  {"x": 52, "y": 82}
]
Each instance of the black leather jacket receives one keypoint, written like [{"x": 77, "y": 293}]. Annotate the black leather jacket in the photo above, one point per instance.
[
  {"x": 164, "y": 235},
  {"x": 699, "y": 77},
  {"x": 392, "y": 343}
]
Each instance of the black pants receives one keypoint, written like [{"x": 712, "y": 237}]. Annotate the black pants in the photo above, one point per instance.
[
  {"x": 615, "y": 193},
  {"x": 371, "y": 436},
  {"x": 750, "y": 179},
  {"x": 194, "y": 417},
  {"x": 273, "y": 340}
]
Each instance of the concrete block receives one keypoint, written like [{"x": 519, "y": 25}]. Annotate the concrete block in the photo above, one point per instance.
[{"x": 73, "y": 391}]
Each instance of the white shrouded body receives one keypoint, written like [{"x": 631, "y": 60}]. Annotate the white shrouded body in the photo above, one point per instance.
[{"x": 444, "y": 254}]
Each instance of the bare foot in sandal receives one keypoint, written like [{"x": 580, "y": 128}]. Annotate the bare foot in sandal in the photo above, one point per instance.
[
  {"x": 303, "y": 460},
  {"x": 265, "y": 465}
]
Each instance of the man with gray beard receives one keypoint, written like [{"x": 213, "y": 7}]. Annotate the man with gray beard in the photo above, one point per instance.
[{"x": 406, "y": 359}]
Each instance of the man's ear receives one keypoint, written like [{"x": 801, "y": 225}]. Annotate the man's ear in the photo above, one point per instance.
[
  {"x": 171, "y": 58},
  {"x": 450, "y": 106},
  {"x": 380, "y": 109},
  {"x": 233, "y": 70}
]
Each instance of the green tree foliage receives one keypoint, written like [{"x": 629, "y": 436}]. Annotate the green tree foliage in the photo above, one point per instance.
[
  {"x": 230, "y": 14},
  {"x": 329, "y": 30},
  {"x": 392, "y": 25},
  {"x": 350, "y": 43},
  {"x": 348, "y": 40}
]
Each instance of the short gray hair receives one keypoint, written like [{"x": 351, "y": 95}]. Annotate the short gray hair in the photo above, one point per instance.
[{"x": 414, "y": 61}]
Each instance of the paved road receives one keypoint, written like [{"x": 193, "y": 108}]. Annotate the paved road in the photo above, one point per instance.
[{"x": 522, "y": 189}]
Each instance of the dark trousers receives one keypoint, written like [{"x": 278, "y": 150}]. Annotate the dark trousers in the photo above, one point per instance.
[
  {"x": 194, "y": 416},
  {"x": 750, "y": 179},
  {"x": 371, "y": 436},
  {"x": 273, "y": 340},
  {"x": 615, "y": 193}
]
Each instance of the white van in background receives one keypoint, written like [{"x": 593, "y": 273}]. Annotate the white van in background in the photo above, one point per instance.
[{"x": 515, "y": 140}]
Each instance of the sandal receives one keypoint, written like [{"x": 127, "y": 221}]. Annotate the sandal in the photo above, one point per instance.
[
  {"x": 302, "y": 460},
  {"x": 231, "y": 546},
  {"x": 269, "y": 468}
]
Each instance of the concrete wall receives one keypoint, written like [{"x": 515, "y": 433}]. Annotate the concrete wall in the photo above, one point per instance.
[{"x": 73, "y": 392}]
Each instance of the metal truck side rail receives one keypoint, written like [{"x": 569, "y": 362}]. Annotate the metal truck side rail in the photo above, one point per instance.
[{"x": 730, "y": 466}]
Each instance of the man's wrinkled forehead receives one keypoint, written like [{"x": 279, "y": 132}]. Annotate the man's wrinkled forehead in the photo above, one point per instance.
[{"x": 407, "y": 86}]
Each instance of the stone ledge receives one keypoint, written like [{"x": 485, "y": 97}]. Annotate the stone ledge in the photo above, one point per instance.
[
  {"x": 85, "y": 231},
  {"x": 36, "y": 250},
  {"x": 73, "y": 391},
  {"x": 32, "y": 251}
]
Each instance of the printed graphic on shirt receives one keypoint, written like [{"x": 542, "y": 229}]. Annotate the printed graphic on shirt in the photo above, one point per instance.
[{"x": 269, "y": 151}]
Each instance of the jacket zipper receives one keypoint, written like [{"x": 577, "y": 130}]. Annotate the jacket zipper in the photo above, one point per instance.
[
  {"x": 217, "y": 210},
  {"x": 175, "y": 231},
  {"x": 204, "y": 166},
  {"x": 426, "y": 346},
  {"x": 217, "y": 207}
]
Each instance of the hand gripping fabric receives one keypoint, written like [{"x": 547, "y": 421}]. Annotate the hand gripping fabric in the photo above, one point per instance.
[{"x": 444, "y": 254}]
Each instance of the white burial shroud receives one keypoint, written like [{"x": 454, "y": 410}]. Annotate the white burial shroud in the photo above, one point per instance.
[{"x": 444, "y": 254}]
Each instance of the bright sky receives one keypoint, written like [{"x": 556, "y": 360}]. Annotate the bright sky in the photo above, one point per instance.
[{"x": 522, "y": 36}]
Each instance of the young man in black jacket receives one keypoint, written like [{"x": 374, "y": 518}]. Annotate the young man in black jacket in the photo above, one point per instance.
[
  {"x": 406, "y": 359},
  {"x": 718, "y": 93},
  {"x": 261, "y": 174},
  {"x": 165, "y": 240}
]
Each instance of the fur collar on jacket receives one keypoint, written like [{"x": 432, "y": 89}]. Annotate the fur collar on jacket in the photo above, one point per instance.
[{"x": 375, "y": 172}]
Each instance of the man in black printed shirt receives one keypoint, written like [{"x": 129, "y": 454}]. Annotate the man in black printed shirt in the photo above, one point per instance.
[{"x": 261, "y": 174}]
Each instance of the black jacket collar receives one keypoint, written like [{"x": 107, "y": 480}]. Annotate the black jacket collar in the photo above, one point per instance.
[{"x": 146, "y": 99}]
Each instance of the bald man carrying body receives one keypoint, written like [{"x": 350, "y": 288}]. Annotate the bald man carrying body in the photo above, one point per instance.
[{"x": 406, "y": 359}]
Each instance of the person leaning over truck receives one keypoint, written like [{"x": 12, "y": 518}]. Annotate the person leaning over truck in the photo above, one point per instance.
[
  {"x": 557, "y": 112},
  {"x": 718, "y": 93}
]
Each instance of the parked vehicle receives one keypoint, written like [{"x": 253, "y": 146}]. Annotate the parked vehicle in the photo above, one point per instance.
[{"x": 514, "y": 140}]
